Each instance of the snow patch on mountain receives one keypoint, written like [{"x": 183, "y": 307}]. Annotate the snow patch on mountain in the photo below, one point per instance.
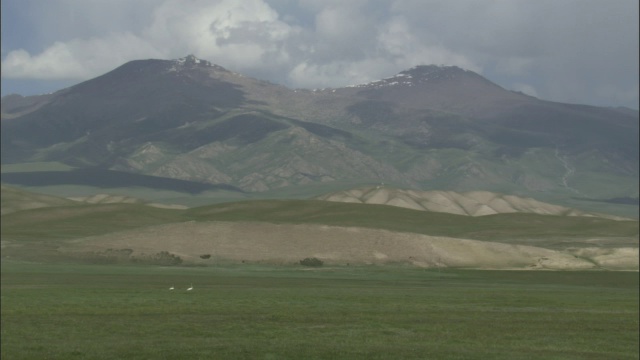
[
  {"x": 414, "y": 76},
  {"x": 189, "y": 62}
]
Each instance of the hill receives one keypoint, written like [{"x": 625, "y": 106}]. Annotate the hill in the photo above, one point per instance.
[
  {"x": 14, "y": 200},
  {"x": 473, "y": 203},
  {"x": 278, "y": 231}
]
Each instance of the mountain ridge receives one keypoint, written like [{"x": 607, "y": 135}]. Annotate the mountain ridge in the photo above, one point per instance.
[{"x": 451, "y": 129}]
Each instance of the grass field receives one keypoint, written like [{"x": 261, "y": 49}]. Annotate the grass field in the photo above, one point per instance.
[
  {"x": 78, "y": 221},
  {"x": 37, "y": 234},
  {"x": 58, "y": 311},
  {"x": 500, "y": 227}
]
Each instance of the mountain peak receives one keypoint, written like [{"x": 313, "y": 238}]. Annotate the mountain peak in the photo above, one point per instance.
[
  {"x": 428, "y": 72},
  {"x": 191, "y": 61},
  {"x": 416, "y": 75}
]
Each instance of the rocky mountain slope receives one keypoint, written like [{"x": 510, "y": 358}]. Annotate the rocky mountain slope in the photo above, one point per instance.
[{"x": 429, "y": 127}]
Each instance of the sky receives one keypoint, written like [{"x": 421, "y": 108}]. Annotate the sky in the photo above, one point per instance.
[{"x": 575, "y": 51}]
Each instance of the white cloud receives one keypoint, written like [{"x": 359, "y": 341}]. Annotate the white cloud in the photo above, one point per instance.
[
  {"x": 391, "y": 48},
  {"x": 241, "y": 34},
  {"x": 77, "y": 59},
  {"x": 407, "y": 50},
  {"x": 339, "y": 73},
  {"x": 515, "y": 65},
  {"x": 343, "y": 22},
  {"x": 574, "y": 50}
]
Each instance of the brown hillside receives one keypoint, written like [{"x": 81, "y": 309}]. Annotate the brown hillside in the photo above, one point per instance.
[{"x": 288, "y": 244}]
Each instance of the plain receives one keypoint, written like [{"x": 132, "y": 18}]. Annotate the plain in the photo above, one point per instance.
[{"x": 249, "y": 311}]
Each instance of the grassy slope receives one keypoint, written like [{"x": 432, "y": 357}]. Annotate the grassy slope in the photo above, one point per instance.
[
  {"x": 86, "y": 220},
  {"x": 37, "y": 233},
  {"x": 15, "y": 199},
  {"x": 79, "y": 221},
  {"x": 500, "y": 227},
  {"x": 36, "y": 166},
  {"x": 246, "y": 312}
]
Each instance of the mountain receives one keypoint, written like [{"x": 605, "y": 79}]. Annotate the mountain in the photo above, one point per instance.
[{"x": 429, "y": 127}]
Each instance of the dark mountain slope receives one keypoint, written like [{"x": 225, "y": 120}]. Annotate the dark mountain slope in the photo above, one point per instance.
[{"x": 139, "y": 98}]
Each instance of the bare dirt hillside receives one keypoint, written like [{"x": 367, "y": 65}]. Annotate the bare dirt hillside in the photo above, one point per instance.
[
  {"x": 288, "y": 244},
  {"x": 472, "y": 203},
  {"x": 107, "y": 199},
  {"x": 121, "y": 199}
]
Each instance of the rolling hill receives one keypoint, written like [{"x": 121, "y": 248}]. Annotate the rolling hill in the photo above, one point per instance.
[
  {"x": 286, "y": 231},
  {"x": 473, "y": 203}
]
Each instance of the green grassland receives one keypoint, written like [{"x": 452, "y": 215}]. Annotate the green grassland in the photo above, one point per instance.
[
  {"x": 70, "y": 222},
  {"x": 57, "y": 311},
  {"x": 516, "y": 227},
  {"x": 57, "y": 307},
  {"x": 36, "y": 234},
  {"x": 36, "y": 166}
]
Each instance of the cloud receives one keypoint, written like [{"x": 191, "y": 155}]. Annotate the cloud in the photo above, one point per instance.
[
  {"x": 398, "y": 40},
  {"x": 230, "y": 32},
  {"x": 385, "y": 46},
  {"x": 338, "y": 73},
  {"x": 515, "y": 65},
  {"x": 343, "y": 31},
  {"x": 574, "y": 50},
  {"x": 244, "y": 34},
  {"x": 77, "y": 59},
  {"x": 249, "y": 36}
]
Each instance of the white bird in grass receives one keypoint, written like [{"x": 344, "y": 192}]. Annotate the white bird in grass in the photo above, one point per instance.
[
  {"x": 191, "y": 288},
  {"x": 171, "y": 288}
]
